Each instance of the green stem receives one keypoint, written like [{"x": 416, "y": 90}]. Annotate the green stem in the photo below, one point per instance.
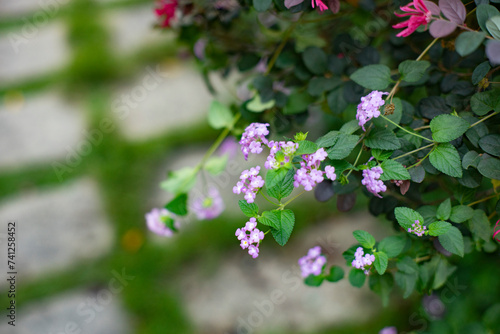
[
  {"x": 276, "y": 54},
  {"x": 411, "y": 152},
  {"x": 420, "y": 161},
  {"x": 355, "y": 161},
  {"x": 282, "y": 206},
  {"x": 267, "y": 199},
  {"x": 485, "y": 118},
  {"x": 399, "y": 126},
  {"x": 483, "y": 200}
]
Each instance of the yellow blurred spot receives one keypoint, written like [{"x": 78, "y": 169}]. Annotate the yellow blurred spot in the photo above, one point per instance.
[
  {"x": 13, "y": 100},
  {"x": 132, "y": 240},
  {"x": 496, "y": 184}
]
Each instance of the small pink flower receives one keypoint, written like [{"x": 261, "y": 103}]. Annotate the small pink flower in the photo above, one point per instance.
[
  {"x": 166, "y": 11},
  {"x": 419, "y": 15},
  {"x": 320, "y": 5}
]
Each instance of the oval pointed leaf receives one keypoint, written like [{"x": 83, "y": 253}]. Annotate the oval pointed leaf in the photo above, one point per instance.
[
  {"x": 468, "y": 42},
  {"x": 376, "y": 77},
  {"x": 454, "y": 10},
  {"x": 453, "y": 241},
  {"x": 445, "y": 128},
  {"x": 493, "y": 26},
  {"x": 441, "y": 28},
  {"x": 445, "y": 159}
]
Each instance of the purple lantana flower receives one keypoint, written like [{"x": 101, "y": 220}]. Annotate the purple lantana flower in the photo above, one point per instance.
[
  {"x": 371, "y": 180},
  {"x": 362, "y": 261},
  {"x": 253, "y": 138},
  {"x": 250, "y": 237},
  {"x": 159, "y": 220},
  {"x": 369, "y": 107},
  {"x": 208, "y": 207},
  {"x": 312, "y": 263}
]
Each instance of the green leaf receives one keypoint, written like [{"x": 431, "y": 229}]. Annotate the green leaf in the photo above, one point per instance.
[
  {"x": 461, "y": 213},
  {"x": 248, "y": 209},
  {"x": 407, "y": 265},
  {"x": 381, "y": 155},
  {"x": 490, "y": 144},
  {"x": 313, "y": 280},
  {"x": 306, "y": 147},
  {"x": 453, "y": 241},
  {"x": 297, "y": 103},
  {"x": 215, "y": 165},
  {"x": 406, "y": 217},
  {"x": 445, "y": 159},
  {"x": 336, "y": 101},
  {"x": 336, "y": 274},
  {"x": 428, "y": 212},
  {"x": 178, "y": 205},
  {"x": 480, "y": 72},
  {"x": 468, "y": 41},
  {"x": 393, "y": 170},
  {"x": 285, "y": 226},
  {"x": 350, "y": 127},
  {"x": 392, "y": 246},
  {"x": 357, "y": 277},
  {"x": 375, "y": 77},
  {"x": 343, "y": 147},
  {"x": 283, "y": 184},
  {"x": 412, "y": 70},
  {"x": 438, "y": 228},
  {"x": 328, "y": 140},
  {"x": 483, "y": 14},
  {"x": 483, "y": 102},
  {"x": 262, "y": 5},
  {"x": 445, "y": 128},
  {"x": 318, "y": 85},
  {"x": 180, "y": 181},
  {"x": 219, "y": 116},
  {"x": 443, "y": 271},
  {"x": 489, "y": 167},
  {"x": 256, "y": 104},
  {"x": 406, "y": 282},
  {"x": 444, "y": 210},
  {"x": 480, "y": 226},
  {"x": 382, "y": 139},
  {"x": 493, "y": 26},
  {"x": 470, "y": 158},
  {"x": 382, "y": 285},
  {"x": 381, "y": 261},
  {"x": 364, "y": 238},
  {"x": 270, "y": 218},
  {"x": 315, "y": 60}
]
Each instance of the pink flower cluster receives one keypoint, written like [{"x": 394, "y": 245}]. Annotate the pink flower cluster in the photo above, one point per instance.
[
  {"x": 369, "y": 107},
  {"x": 419, "y": 15},
  {"x": 157, "y": 220},
  {"x": 250, "y": 237},
  {"x": 166, "y": 11},
  {"x": 417, "y": 228},
  {"x": 371, "y": 180},
  {"x": 362, "y": 262},
  {"x": 319, "y": 4},
  {"x": 208, "y": 207},
  {"x": 312, "y": 263},
  {"x": 309, "y": 174},
  {"x": 249, "y": 184},
  {"x": 253, "y": 137},
  {"x": 287, "y": 148}
]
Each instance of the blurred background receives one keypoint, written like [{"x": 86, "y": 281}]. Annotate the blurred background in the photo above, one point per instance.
[{"x": 95, "y": 107}]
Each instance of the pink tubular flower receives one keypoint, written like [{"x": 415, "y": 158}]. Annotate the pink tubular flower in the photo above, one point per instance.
[
  {"x": 320, "y": 5},
  {"x": 312, "y": 263},
  {"x": 166, "y": 11},
  {"x": 157, "y": 220},
  {"x": 419, "y": 15},
  {"x": 209, "y": 207}
]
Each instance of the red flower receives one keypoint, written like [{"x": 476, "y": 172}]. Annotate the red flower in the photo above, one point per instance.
[
  {"x": 419, "y": 15},
  {"x": 166, "y": 11}
]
